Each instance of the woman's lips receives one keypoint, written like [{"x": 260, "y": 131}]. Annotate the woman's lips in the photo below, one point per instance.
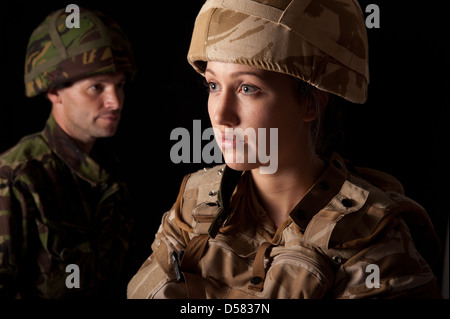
[{"x": 230, "y": 140}]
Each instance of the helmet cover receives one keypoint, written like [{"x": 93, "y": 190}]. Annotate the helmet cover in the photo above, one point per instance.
[
  {"x": 322, "y": 42},
  {"x": 57, "y": 54}
]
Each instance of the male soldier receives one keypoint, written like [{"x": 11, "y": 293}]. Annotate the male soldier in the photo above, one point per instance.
[{"x": 64, "y": 232}]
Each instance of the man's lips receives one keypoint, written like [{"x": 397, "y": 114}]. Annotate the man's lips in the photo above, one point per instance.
[{"x": 109, "y": 116}]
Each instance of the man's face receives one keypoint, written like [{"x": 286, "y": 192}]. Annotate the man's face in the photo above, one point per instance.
[{"x": 90, "y": 108}]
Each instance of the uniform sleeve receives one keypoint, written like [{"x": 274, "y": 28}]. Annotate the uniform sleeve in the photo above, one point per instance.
[
  {"x": 159, "y": 269},
  {"x": 390, "y": 268},
  {"x": 11, "y": 237}
]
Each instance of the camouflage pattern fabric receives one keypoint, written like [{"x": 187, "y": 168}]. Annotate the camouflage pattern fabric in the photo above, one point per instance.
[
  {"x": 343, "y": 225},
  {"x": 58, "y": 206},
  {"x": 57, "y": 54},
  {"x": 322, "y": 42}
]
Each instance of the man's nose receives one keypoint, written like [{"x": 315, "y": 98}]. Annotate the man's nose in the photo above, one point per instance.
[{"x": 113, "y": 98}]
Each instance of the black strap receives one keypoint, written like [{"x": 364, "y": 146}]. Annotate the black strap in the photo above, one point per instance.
[{"x": 228, "y": 183}]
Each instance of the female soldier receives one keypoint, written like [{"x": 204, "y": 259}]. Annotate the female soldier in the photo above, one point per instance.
[{"x": 315, "y": 227}]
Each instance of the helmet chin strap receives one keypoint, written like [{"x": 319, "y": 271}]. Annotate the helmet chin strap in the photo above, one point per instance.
[{"x": 228, "y": 183}]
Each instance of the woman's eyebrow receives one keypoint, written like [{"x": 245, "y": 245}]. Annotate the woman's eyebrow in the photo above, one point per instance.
[
  {"x": 210, "y": 71},
  {"x": 238, "y": 73}
]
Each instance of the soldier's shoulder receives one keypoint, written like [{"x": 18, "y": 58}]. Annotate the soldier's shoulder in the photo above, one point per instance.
[
  {"x": 384, "y": 192},
  {"x": 30, "y": 147},
  {"x": 198, "y": 191},
  {"x": 204, "y": 177},
  {"x": 367, "y": 204}
]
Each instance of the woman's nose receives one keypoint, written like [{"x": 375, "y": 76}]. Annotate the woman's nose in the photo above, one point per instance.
[{"x": 223, "y": 109}]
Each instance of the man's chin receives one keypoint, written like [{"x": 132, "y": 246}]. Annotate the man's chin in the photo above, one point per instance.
[{"x": 106, "y": 132}]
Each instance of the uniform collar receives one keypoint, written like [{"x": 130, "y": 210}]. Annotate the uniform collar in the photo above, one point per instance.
[
  {"x": 323, "y": 191},
  {"x": 66, "y": 149}
]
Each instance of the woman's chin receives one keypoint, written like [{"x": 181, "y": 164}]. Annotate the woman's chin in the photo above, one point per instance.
[{"x": 241, "y": 166}]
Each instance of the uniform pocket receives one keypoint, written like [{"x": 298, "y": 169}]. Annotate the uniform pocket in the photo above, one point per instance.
[
  {"x": 300, "y": 273},
  {"x": 63, "y": 242}
]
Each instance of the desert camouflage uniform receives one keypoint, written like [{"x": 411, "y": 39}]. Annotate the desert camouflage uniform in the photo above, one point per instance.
[
  {"x": 209, "y": 246},
  {"x": 218, "y": 242},
  {"x": 59, "y": 206}
]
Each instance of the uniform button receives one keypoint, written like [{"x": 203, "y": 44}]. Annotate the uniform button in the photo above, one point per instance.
[
  {"x": 347, "y": 202},
  {"x": 220, "y": 171},
  {"x": 337, "y": 259},
  {"x": 157, "y": 243},
  {"x": 212, "y": 193},
  {"x": 256, "y": 280}
]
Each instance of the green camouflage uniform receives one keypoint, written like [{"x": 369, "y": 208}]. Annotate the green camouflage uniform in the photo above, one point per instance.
[
  {"x": 57, "y": 54},
  {"x": 59, "y": 206}
]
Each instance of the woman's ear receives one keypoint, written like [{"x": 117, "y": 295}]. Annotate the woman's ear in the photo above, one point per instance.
[{"x": 317, "y": 101}]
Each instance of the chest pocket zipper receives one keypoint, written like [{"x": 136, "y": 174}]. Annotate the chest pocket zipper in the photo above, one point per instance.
[{"x": 321, "y": 269}]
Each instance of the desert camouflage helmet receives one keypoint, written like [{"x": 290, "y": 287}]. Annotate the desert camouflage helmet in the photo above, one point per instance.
[
  {"x": 57, "y": 54},
  {"x": 322, "y": 42}
]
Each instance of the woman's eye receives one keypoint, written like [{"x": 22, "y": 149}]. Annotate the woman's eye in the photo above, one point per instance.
[
  {"x": 213, "y": 87},
  {"x": 248, "y": 89}
]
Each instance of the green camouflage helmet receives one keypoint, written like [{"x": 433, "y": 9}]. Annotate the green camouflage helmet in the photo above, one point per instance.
[
  {"x": 57, "y": 54},
  {"x": 322, "y": 42}
]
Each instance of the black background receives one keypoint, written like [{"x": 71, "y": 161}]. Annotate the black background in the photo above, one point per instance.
[{"x": 402, "y": 129}]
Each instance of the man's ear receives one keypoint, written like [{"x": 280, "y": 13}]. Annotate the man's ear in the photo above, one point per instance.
[{"x": 54, "y": 96}]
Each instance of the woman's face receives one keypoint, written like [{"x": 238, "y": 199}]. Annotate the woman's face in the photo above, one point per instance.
[{"x": 244, "y": 104}]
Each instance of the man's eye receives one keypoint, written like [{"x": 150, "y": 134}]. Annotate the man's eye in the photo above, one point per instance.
[
  {"x": 96, "y": 87},
  {"x": 121, "y": 85}
]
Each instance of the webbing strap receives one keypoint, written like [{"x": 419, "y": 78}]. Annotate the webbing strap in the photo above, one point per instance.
[
  {"x": 259, "y": 271},
  {"x": 194, "y": 286},
  {"x": 194, "y": 251}
]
